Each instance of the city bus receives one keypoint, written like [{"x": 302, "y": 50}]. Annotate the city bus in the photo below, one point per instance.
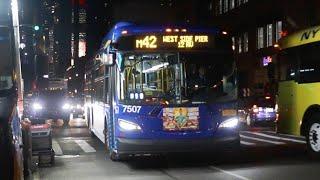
[
  {"x": 299, "y": 86},
  {"x": 161, "y": 89},
  {"x": 11, "y": 106}
]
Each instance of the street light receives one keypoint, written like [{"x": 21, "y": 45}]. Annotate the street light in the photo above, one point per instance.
[{"x": 36, "y": 28}]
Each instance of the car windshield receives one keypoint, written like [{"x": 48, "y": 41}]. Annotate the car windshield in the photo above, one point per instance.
[
  {"x": 177, "y": 78},
  {"x": 6, "y": 60},
  {"x": 265, "y": 101},
  {"x": 52, "y": 94}
]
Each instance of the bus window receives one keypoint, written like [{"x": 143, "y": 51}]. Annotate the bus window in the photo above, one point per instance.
[
  {"x": 288, "y": 65},
  {"x": 6, "y": 65},
  {"x": 151, "y": 75},
  {"x": 188, "y": 77},
  {"x": 209, "y": 79},
  {"x": 99, "y": 90},
  {"x": 309, "y": 65}
]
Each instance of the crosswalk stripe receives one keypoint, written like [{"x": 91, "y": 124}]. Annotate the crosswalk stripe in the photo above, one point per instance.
[
  {"x": 262, "y": 140},
  {"x": 278, "y": 138},
  {"x": 85, "y": 146},
  {"x": 247, "y": 143},
  {"x": 287, "y": 135},
  {"x": 56, "y": 148}
]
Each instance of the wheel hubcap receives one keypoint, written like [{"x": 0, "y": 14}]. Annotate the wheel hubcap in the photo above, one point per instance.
[{"x": 314, "y": 138}]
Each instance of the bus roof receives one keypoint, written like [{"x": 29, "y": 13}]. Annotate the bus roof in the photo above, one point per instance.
[
  {"x": 134, "y": 29},
  {"x": 300, "y": 38}
]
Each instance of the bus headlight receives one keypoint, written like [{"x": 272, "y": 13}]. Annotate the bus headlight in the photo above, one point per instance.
[
  {"x": 128, "y": 126},
  {"x": 37, "y": 106},
  {"x": 230, "y": 123}
]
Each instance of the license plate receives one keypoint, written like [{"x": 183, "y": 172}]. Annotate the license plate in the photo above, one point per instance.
[
  {"x": 229, "y": 112},
  {"x": 268, "y": 110}
]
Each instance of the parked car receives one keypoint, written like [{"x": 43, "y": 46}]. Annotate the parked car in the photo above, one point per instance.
[
  {"x": 261, "y": 110},
  {"x": 77, "y": 107}
]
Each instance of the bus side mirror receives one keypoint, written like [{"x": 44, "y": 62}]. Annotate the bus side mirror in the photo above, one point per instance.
[{"x": 106, "y": 59}]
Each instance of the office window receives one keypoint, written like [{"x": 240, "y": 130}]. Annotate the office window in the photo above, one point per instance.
[
  {"x": 260, "y": 38},
  {"x": 233, "y": 43},
  {"x": 232, "y": 4},
  {"x": 226, "y": 6},
  {"x": 240, "y": 44},
  {"x": 245, "y": 42},
  {"x": 278, "y": 30},
  {"x": 239, "y": 2},
  {"x": 269, "y": 35},
  {"x": 220, "y": 6}
]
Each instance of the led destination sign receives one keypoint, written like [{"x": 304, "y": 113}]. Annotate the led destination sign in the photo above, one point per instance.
[
  {"x": 185, "y": 42},
  {"x": 178, "y": 41}
]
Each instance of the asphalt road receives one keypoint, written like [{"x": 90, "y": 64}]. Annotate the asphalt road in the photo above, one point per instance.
[{"x": 264, "y": 155}]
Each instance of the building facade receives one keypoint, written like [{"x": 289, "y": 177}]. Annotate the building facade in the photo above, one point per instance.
[{"x": 256, "y": 26}]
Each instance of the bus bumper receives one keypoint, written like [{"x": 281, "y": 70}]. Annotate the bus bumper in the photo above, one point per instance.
[{"x": 160, "y": 146}]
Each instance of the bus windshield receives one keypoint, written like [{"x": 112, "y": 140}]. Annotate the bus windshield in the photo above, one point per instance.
[
  {"x": 6, "y": 61},
  {"x": 176, "y": 78}
]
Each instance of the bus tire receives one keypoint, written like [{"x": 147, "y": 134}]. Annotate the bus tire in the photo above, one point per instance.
[
  {"x": 313, "y": 136},
  {"x": 115, "y": 156}
]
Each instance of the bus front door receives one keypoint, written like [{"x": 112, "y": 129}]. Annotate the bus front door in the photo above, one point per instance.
[{"x": 287, "y": 107}]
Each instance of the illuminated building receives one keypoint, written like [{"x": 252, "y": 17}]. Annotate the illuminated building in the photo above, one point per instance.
[
  {"x": 55, "y": 25},
  {"x": 256, "y": 26},
  {"x": 78, "y": 47}
]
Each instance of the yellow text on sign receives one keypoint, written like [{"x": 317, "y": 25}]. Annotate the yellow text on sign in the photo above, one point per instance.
[
  {"x": 187, "y": 41},
  {"x": 201, "y": 39},
  {"x": 170, "y": 39},
  {"x": 149, "y": 42}
]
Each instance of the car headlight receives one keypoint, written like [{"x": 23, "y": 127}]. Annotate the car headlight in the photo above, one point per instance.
[
  {"x": 37, "y": 106},
  {"x": 128, "y": 126},
  {"x": 66, "y": 106},
  {"x": 79, "y": 106},
  {"x": 230, "y": 123}
]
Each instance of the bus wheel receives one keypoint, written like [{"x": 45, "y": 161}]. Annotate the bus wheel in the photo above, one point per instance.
[
  {"x": 115, "y": 156},
  {"x": 313, "y": 136}
]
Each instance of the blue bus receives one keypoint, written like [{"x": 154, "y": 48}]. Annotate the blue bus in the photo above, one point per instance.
[{"x": 162, "y": 89}]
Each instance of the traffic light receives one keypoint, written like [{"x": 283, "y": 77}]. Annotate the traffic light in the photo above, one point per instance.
[{"x": 36, "y": 28}]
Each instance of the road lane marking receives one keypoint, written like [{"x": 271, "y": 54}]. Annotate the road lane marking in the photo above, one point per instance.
[
  {"x": 67, "y": 156},
  {"x": 247, "y": 143},
  {"x": 36, "y": 175},
  {"x": 229, "y": 173},
  {"x": 287, "y": 135},
  {"x": 85, "y": 146},
  {"x": 278, "y": 138},
  {"x": 262, "y": 140},
  {"x": 56, "y": 148}
]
